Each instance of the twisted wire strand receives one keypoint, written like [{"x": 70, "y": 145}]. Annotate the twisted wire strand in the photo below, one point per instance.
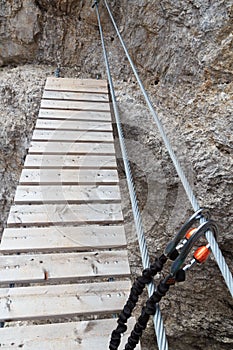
[
  {"x": 159, "y": 326},
  {"x": 209, "y": 236}
]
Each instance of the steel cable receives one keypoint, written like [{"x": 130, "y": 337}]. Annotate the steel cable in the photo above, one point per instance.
[
  {"x": 159, "y": 326},
  {"x": 209, "y": 236}
]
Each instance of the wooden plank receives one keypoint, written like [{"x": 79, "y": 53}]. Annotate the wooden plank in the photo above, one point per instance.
[
  {"x": 59, "y": 336},
  {"x": 76, "y": 85},
  {"x": 67, "y": 238},
  {"x": 60, "y": 214},
  {"x": 62, "y": 267},
  {"x": 75, "y": 96},
  {"x": 75, "y": 105},
  {"x": 74, "y": 115},
  {"x": 54, "y": 82},
  {"x": 68, "y": 177},
  {"x": 47, "y": 147},
  {"x": 78, "y": 194},
  {"x": 73, "y": 125},
  {"x": 42, "y": 302},
  {"x": 69, "y": 161},
  {"x": 75, "y": 136}
]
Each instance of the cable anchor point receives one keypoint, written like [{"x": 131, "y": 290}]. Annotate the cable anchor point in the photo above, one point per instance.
[
  {"x": 96, "y": 3},
  {"x": 57, "y": 72}
]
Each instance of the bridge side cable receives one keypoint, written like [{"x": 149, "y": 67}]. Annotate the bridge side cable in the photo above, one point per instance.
[
  {"x": 193, "y": 200},
  {"x": 158, "y": 322}
]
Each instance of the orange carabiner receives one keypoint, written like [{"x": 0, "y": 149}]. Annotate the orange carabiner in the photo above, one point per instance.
[
  {"x": 201, "y": 254},
  {"x": 190, "y": 232}
]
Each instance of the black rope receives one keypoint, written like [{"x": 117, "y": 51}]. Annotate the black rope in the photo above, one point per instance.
[
  {"x": 146, "y": 312},
  {"x": 150, "y": 308},
  {"x": 135, "y": 292}
]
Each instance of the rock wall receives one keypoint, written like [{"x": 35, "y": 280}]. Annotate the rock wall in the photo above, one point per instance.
[
  {"x": 19, "y": 30},
  {"x": 169, "y": 40},
  {"x": 183, "y": 51},
  {"x": 202, "y": 141},
  {"x": 20, "y": 94},
  {"x": 177, "y": 40}
]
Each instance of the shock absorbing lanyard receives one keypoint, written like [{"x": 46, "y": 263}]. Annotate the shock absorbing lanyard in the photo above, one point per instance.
[{"x": 177, "y": 250}]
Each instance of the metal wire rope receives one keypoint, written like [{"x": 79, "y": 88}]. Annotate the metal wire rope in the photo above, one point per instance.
[
  {"x": 158, "y": 322},
  {"x": 209, "y": 236}
]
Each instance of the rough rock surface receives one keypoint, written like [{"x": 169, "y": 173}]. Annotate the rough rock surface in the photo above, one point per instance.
[
  {"x": 169, "y": 40},
  {"x": 183, "y": 51},
  {"x": 193, "y": 125}
]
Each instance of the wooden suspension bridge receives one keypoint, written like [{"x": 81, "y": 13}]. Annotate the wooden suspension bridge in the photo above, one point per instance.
[{"x": 64, "y": 269}]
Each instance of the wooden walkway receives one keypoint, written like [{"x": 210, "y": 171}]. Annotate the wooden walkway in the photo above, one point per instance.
[{"x": 63, "y": 259}]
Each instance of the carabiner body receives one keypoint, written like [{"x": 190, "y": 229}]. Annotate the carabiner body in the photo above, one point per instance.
[{"x": 172, "y": 246}]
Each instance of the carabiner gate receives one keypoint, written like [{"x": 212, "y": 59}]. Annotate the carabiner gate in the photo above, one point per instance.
[{"x": 171, "y": 249}]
